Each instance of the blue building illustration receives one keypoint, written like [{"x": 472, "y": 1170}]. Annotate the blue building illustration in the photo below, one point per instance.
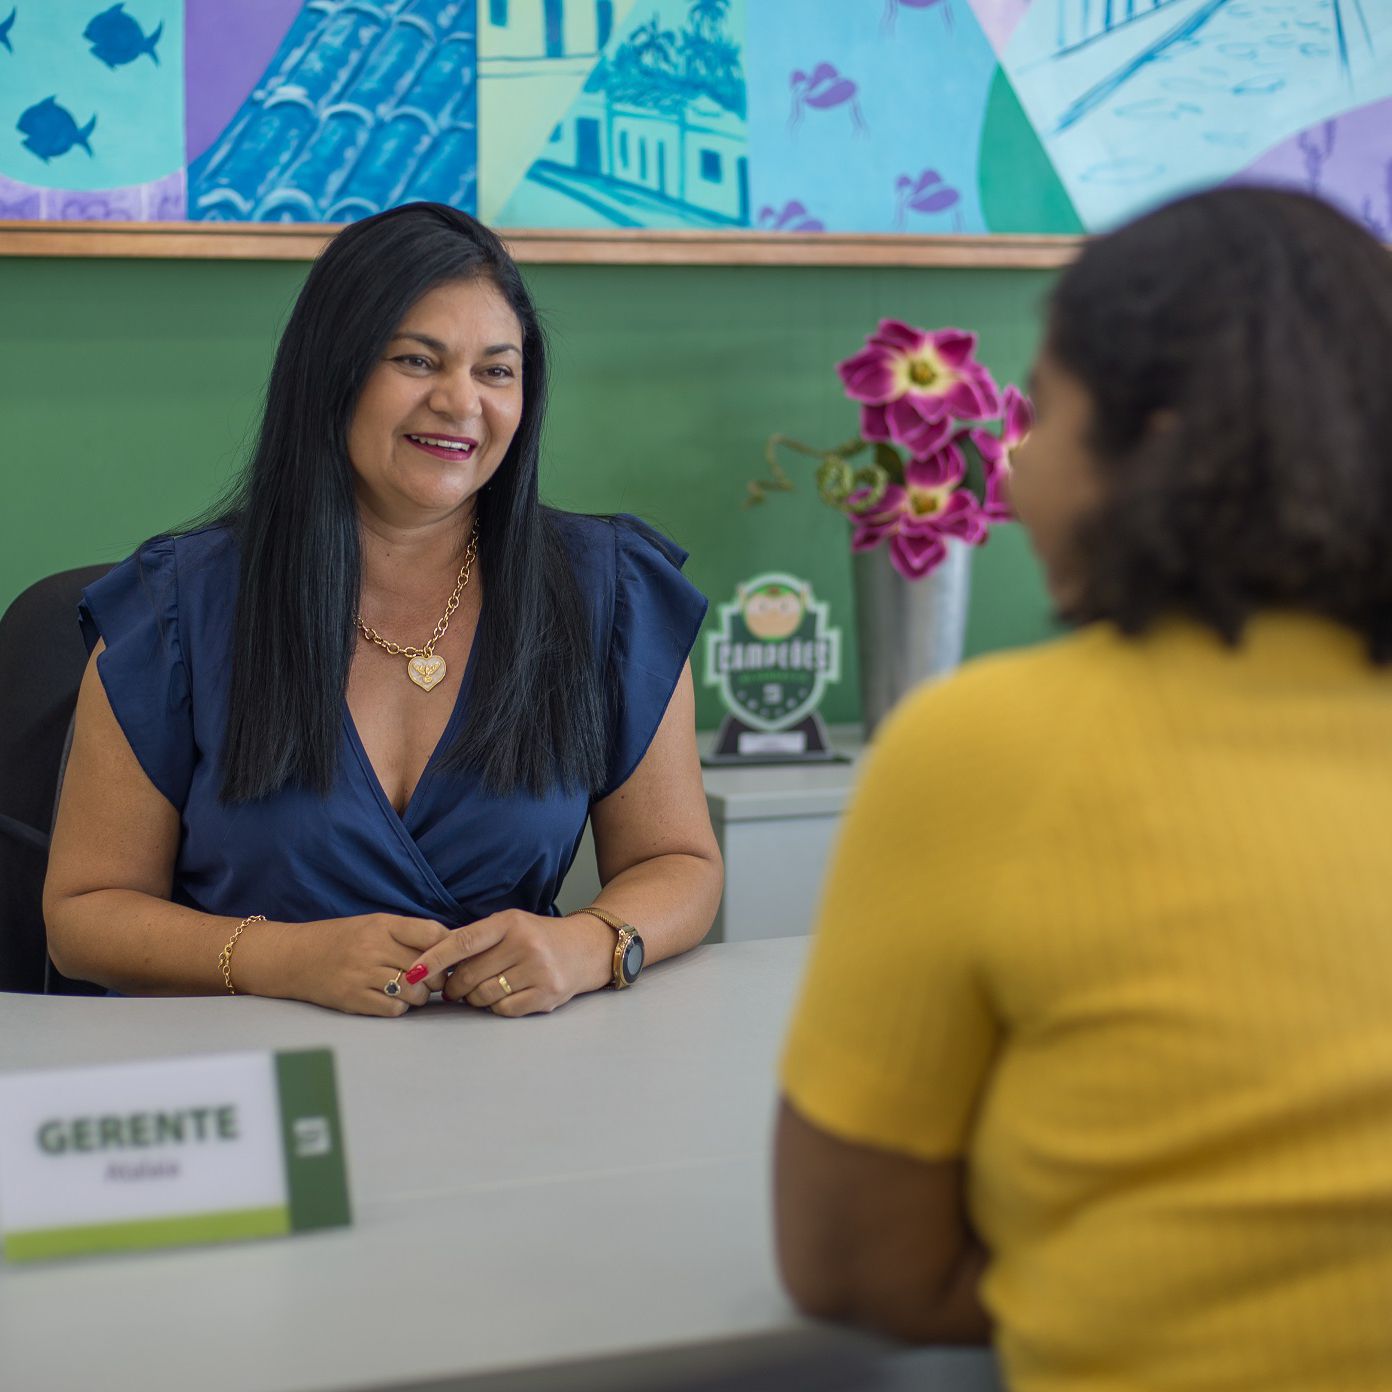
[
  {"x": 364, "y": 105},
  {"x": 657, "y": 134}
]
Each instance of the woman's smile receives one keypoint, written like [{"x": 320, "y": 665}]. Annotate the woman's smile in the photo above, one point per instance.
[{"x": 451, "y": 447}]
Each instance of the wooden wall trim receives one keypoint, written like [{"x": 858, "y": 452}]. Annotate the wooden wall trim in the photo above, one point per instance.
[{"x": 304, "y": 241}]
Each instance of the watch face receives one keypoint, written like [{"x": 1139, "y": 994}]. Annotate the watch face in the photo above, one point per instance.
[{"x": 633, "y": 960}]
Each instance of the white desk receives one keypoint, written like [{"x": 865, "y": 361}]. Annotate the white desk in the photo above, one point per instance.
[
  {"x": 776, "y": 825},
  {"x": 574, "y": 1201}
]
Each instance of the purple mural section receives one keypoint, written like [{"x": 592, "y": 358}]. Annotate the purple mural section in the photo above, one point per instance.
[
  {"x": 161, "y": 200},
  {"x": 226, "y": 49},
  {"x": 1347, "y": 160}
]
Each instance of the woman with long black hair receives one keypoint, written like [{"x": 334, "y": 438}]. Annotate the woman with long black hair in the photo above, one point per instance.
[{"x": 368, "y": 710}]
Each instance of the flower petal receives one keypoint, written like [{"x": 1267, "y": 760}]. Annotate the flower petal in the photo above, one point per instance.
[
  {"x": 869, "y": 376},
  {"x": 1019, "y": 416},
  {"x": 904, "y": 418},
  {"x": 915, "y": 554},
  {"x": 944, "y": 465},
  {"x": 991, "y": 448},
  {"x": 931, "y": 405},
  {"x": 898, "y": 337},
  {"x": 885, "y": 513},
  {"x": 880, "y": 526},
  {"x": 995, "y": 466},
  {"x": 930, "y": 436},
  {"x": 874, "y": 423},
  {"x": 893, "y": 499},
  {"x": 974, "y": 396},
  {"x": 954, "y": 346},
  {"x": 867, "y": 536},
  {"x": 920, "y": 433},
  {"x": 963, "y": 518}
]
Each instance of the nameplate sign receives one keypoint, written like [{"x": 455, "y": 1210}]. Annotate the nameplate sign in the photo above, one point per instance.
[{"x": 174, "y": 1151}]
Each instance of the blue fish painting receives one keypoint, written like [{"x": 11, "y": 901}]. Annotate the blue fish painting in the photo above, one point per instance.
[
  {"x": 118, "y": 39},
  {"x": 49, "y": 130},
  {"x": 5, "y": 30}
]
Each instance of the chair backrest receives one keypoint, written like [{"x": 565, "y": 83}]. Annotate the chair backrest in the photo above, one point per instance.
[{"x": 42, "y": 658}]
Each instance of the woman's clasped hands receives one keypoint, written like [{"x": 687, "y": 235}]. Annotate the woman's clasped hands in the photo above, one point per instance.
[{"x": 517, "y": 963}]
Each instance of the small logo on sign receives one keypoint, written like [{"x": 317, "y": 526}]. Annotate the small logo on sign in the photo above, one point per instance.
[{"x": 312, "y": 1137}]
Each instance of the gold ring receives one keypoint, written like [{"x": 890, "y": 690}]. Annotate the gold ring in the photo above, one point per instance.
[
  {"x": 393, "y": 987},
  {"x": 503, "y": 982}
]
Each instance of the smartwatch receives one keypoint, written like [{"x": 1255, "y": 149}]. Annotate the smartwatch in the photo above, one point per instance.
[{"x": 628, "y": 950}]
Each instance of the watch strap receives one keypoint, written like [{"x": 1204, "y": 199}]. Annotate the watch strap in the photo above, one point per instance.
[
  {"x": 604, "y": 916},
  {"x": 626, "y": 933}
]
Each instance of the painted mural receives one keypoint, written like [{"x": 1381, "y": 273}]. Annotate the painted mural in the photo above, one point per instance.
[{"x": 890, "y": 116}]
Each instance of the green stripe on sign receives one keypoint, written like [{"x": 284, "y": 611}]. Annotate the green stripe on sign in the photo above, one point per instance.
[
  {"x": 316, "y": 1179},
  {"x": 147, "y": 1232}
]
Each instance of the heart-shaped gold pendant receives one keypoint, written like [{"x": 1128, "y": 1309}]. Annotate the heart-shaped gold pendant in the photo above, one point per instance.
[{"x": 426, "y": 672}]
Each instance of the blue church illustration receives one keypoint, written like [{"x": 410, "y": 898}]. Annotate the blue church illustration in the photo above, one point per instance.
[{"x": 657, "y": 136}]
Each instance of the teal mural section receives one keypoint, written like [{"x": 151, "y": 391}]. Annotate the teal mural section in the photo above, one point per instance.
[
  {"x": 870, "y": 126},
  {"x": 1139, "y": 101},
  {"x": 91, "y": 96}
]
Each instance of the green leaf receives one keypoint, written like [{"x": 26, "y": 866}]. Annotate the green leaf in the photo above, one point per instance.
[
  {"x": 975, "y": 480},
  {"x": 891, "y": 461}
]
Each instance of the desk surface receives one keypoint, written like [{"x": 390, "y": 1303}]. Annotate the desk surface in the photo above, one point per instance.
[{"x": 577, "y": 1200}]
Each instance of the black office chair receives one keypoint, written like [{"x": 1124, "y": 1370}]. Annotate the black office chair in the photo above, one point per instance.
[{"x": 42, "y": 658}]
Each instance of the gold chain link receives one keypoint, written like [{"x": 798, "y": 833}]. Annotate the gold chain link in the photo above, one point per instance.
[
  {"x": 465, "y": 571},
  {"x": 225, "y": 956}
]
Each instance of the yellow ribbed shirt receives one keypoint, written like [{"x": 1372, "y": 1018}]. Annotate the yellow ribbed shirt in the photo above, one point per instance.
[{"x": 1113, "y": 920}]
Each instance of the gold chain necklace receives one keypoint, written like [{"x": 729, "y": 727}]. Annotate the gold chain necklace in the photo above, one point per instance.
[{"x": 423, "y": 667}]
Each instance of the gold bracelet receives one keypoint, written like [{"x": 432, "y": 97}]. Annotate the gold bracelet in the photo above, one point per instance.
[{"x": 225, "y": 956}]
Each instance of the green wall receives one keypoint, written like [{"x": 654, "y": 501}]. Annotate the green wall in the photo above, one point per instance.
[{"x": 131, "y": 388}]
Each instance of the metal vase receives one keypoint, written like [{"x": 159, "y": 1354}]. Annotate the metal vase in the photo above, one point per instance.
[{"x": 908, "y": 631}]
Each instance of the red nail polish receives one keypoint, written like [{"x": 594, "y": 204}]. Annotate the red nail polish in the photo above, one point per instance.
[{"x": 416, "y": 973}]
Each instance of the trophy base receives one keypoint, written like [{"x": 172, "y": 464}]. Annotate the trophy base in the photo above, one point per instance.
[{"x": 738, "y": 744}]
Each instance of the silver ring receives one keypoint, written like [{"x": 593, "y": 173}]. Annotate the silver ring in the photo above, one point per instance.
[{"x": 393, "y": 987}]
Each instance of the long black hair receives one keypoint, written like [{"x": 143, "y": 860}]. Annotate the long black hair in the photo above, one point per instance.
[
  {"x": 537, "y": 715},
  {"x": 1255, "y": 326}
]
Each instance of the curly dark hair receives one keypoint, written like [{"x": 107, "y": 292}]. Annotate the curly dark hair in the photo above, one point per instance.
[{"x": 1237, "y": 346}]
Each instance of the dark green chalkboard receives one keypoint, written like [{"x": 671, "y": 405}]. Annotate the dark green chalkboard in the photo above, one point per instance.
[{"x": 130, "y": 389}]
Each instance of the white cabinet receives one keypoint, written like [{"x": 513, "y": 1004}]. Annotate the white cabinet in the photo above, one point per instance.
[{"x": 776, "y": 825}]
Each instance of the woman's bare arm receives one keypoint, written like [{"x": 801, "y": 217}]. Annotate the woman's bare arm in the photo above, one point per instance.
[
  {"x": 111, "y": 867},
  {"x": 876, "y": 1239},
  {"x": 110, "y": 919},
  {"x": 656, "y": 852}
]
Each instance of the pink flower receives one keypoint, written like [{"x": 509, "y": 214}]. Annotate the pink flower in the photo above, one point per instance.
[
  {"x": 918, "y": 516},
  {"x": 912, "y": 385},
  {"x": 996, "y": 449}
]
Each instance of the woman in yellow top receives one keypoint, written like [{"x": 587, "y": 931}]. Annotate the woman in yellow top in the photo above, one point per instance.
[{"x": 1095, "y": 1047}]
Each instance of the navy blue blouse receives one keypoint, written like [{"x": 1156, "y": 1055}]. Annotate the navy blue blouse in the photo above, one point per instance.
[{"x": 457, "y": 853}]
